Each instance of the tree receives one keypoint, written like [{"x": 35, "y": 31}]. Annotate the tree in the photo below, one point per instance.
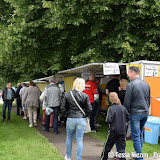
[{"x": 40, "y": 37}]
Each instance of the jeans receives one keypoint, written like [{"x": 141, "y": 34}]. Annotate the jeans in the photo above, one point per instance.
[
  {"x": 92, "y": 116},
  {"x": 137, "y": 127},
  {"x": 78, "y": 125},
  {"x": 55, "y": 127},
  {"x": 18, "y": 100},
  {"x": 7, "y": 103}
]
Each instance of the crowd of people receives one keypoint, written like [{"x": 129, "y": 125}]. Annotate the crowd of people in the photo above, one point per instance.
[{"x": 127, "y": 113}]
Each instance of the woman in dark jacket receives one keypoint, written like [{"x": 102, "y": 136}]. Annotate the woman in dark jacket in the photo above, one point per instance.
[{"x": 75, "y": 118}]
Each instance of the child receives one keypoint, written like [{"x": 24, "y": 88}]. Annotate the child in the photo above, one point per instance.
[{"x": 117, "y": 116}]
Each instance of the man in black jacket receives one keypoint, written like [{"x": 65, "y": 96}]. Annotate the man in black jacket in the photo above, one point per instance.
[
  {"x": 137, "y": 102},
  {"x": 18, "y": 99},
  {"x": 117, "y": 117},
  {"x": 8, "y": 97}
]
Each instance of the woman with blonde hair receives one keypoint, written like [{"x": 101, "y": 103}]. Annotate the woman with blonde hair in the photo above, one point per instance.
[
  {"x": 123, "y": 84},
  {"x": 75, "y": 118}
]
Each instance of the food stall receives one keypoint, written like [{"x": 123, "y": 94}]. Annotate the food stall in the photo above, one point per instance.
[
  {"x": 149, "y": 72},
  {"x": 102, "y": 70}
]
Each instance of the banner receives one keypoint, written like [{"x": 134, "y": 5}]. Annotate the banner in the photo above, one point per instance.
[{"x": 111, "y": 69}]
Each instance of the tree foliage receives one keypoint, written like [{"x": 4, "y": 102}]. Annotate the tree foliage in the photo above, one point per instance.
[{"x": 39, "y": 37}]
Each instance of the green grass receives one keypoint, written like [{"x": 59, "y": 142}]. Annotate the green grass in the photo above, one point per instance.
[
  {"x": 19, "y": 142},
  {"x": 103, "y": 132}
]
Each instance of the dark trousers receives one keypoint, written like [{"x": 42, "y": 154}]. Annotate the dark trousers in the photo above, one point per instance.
[
  {"x": 92, "y": 116},
  {"x": 7, "y": 103},
  {"x": 120, "y": 143},
  {"x": 19, "y": 105},
  {"x": 38, "y": 112},
  {"x": 98, "y": 108},
  {"x": 55, "y": 125}
]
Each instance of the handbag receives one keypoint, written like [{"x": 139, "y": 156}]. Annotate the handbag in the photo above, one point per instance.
[{"x": 88, "y": 128}]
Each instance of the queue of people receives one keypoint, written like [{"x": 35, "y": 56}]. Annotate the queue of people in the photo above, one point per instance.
[{"x": 127, "y": 113}]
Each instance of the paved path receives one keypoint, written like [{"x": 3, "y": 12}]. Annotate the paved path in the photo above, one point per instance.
[{"x": 92, "y": 147}]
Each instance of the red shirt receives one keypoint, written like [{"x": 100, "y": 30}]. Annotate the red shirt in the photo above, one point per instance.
[{"x": 91, "y": 89}]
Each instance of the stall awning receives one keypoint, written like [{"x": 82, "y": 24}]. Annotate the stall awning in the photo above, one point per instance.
[{"x": 96, "y": 67}]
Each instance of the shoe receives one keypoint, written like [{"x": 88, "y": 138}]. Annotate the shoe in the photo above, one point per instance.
[
  {"x": 8, "y": 121},
  {"x": 3, "y": 120},
  {"x": 56, "y": 133},
  {"x": 65, "y": 158},
  {"x": 98, "y": 125},
  {"x": 94, "y": 131},
  {"x": 24, "y": 117},
  {"x": 31, "y": 125},
  {"x": 45, "y": 129},
  {"x": 35, "y": 123}
]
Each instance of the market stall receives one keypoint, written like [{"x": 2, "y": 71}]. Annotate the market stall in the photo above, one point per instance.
[{"x": 102, "y": 70}]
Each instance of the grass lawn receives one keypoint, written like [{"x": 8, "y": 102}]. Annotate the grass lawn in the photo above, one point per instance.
[
  {"x": 102, "y": 135},
  {"x": 19, "y": 142}
]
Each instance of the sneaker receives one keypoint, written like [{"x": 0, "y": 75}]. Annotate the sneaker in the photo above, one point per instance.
[
  {"x": 3, "y": 120},
  {"x": 56, "y": 133},
  {"x": 31, "y": 125},
  {"x": 93, "y": 131},
  {"x": 35, "y": 123},
  {"x": 98, "y": 125},
  {"x": 24, "y": 117},
  {"x": 65, "y": 158}
]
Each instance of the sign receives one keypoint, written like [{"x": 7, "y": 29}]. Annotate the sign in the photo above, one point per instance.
[
  {"x": 136, "y": 65},
  {"x": 151, "y": 70},
  {"x": 111, "y": 69}
]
